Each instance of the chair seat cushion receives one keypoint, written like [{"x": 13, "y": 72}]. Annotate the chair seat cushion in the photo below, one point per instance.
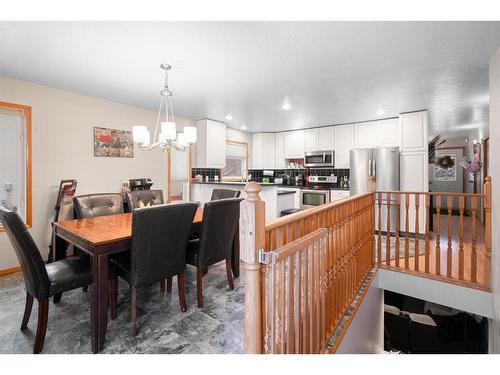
[
  {"x": 192, "y": 251},
  {"x": 68, "y": 274},
  {"x": 120, "y": 265}
]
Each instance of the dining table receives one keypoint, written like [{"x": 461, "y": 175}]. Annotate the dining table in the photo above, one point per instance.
[{"x": 100, "y": 237}]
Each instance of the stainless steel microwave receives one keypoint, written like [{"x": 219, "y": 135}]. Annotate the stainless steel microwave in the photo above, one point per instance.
[{"x": 316, "y": 159}]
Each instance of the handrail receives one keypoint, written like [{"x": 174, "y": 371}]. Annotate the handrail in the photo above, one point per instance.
[
  {"x": 288, "y": 219},
  {"x": 293, "y": 247}
]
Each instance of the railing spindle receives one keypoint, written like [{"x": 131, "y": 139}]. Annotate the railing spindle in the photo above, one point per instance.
[
  {"x": 427, "y": 225},
  {"x": 417, "y": 233},
  {"x": 398, "y": 221},
  {"x": 449, "y": 207},
  {"x": 407, "y": 231},
  {"x": 487, "y": 231},
  {"x": 438, "y": 234},
  {"x": 473, "y": 268},
  {"x": 379, "y": 236},
  {"x": 461, "y": 208},
  {"x": 388, "y": 231}
]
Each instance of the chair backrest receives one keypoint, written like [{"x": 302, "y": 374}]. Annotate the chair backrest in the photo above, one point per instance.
[
  {"x": 32, "y": 265},
  {"x": 151, "y": 197},
  {"x": 159, "y": 239},
  {"x": 224, "y": 194},
  {"x": 220, "y": 220},
  {"x": 92, "y": 205}
]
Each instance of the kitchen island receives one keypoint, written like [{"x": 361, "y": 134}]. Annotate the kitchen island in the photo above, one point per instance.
[{"x": 202, "y": 191}]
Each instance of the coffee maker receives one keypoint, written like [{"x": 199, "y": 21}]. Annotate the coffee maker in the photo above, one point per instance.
[{"x": 140, "y": 184}]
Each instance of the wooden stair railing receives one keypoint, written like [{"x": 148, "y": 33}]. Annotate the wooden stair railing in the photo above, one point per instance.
[
  {"x": 458, "y": 247},
  {"x": 320, "y": 255}
]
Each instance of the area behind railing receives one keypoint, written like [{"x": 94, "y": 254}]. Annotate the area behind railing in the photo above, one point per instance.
[
  {"x": 302, "y": 271},
  {"x": 436, "y": 234}
]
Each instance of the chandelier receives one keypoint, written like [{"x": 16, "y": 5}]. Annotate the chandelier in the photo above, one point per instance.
[{"x": 167, "y": 138}]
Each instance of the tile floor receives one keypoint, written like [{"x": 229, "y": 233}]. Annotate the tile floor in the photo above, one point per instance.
[{"x": 163, "y": 328}]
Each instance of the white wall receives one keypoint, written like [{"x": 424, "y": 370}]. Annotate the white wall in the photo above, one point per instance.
[
  {"x": 365, "y": 334},
  {"x": 63, "y": 148},
  {"x": 494, "y": 130}
]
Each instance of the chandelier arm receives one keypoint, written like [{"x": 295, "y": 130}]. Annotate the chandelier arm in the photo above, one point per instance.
[{"x": 158, "y": 119}]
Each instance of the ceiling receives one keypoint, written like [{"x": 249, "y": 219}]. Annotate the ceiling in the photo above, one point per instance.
[{"x": 328, "y": 72}]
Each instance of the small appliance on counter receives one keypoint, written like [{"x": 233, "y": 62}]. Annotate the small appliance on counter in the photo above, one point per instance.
[{"x": 140, "y": 184}]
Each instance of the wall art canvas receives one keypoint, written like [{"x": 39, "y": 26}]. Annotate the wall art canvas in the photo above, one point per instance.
[
  {"x": 113, "y": 143},
  {"x": 445, "y": 168}
]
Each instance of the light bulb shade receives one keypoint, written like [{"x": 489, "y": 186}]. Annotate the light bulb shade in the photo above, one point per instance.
[
  {"x": 190, "y": 134},
  {"x": 168, "y": 130},
  {"x": 140, "y": 134},
  {"x": 181, "y": 140}
]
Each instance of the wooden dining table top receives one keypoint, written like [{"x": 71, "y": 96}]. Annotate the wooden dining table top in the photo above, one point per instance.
[{"x": 106, "y": 229}]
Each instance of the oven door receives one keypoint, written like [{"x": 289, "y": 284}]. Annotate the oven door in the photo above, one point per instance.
[{"x": 313, "y": 198}]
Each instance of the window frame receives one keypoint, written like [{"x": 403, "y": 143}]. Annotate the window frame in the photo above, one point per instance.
[
  {"x": 27, "y": 150},
  {"x": 239, "y": 143}
]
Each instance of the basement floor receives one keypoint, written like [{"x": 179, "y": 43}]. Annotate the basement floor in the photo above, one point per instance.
[{"x": 163, "y": 328}]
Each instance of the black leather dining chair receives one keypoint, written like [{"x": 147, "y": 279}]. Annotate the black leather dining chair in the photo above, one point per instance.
[
  {"x": 147, "y": 197},
  {"x": 215, "y": 244},
  {"x": 92, "y": 205},
  {"x": 224, "y": 194},
  {"x": 159, "y": 238},
  {"x": 42, "y": 281}
]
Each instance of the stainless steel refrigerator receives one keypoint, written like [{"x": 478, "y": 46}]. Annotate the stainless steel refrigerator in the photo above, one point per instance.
[{"x": 381, "y": 162}]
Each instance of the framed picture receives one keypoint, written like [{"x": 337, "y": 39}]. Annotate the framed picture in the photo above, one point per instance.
[
  {"x": 445, "y": 168},
  {"x": 113, "y": 143}
]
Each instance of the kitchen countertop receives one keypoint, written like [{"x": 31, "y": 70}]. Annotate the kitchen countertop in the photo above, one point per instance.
[{"x": 264, "y": 184}]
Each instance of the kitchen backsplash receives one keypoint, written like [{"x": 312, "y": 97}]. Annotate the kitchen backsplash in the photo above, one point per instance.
[
  {"x": 210, "y": 172},
  {"x": 258, "y": 174}
]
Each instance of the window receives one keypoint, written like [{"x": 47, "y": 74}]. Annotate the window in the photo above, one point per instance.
[
  {"x": 15, "y": 159},
  {"x": 236, "y": 161}
]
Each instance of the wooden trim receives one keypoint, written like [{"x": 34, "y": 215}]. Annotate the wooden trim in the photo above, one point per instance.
[
  {"x": 190, "y": 171},
  {"x": 235, "y": 179},
  {"x": 8, "y": 271},
  {"x": 28, "y": 155}
]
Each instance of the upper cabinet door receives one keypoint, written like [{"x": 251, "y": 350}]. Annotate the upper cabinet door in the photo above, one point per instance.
[
  {"x": 310, "y": 139},
  {"x": 388, "y": 133},
  {"x": 216, "y": 144},
  {"x": 280, "y": 151},
  {"x": 269, "y": 152},
  {"x": 257, "y": 150},
  {"x": 365, "y": 134},
  {"x": 294, "y": 144},
  {"x": 326, "y": 138},
  {"x": 343, "y": 144},
  {"x": 413, "y": 131}
]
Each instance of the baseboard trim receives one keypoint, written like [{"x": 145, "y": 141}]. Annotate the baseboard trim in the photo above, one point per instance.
[{"x": 8, "y": 271}]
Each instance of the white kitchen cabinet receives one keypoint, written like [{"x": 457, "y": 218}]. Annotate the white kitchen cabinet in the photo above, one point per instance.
[
  {"x": 365, "y": 134},
  {"x": 413, "y": 131},
  {"x": 414, "y": 177},
  {"x": 310, "y": 140},
  {"x": 296, "y": 195},
  {"x": 280, "y": 151},
  {"x": 336, "y": 195},
  {"x": 343, "y": 145},
  {"x": 294, "y": 144},
  {"x": 211, "y": 144},
  {"x": 263, "y": 151},
  {"x": 326, "y": 138},
  {"x": 387, "y": 132}
]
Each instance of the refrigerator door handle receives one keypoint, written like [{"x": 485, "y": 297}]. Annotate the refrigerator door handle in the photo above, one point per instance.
[
  {"x": 370, "y": 167},
  {"x": 374, "y": 168}
]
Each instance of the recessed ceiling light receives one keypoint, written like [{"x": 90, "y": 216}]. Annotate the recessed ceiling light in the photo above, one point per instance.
[
  {"x": 229, "y": 117},
  {"x": 380, "y": 112},
  {"x": 243, "y": 127},
  {"x": 286, "y": 106}
]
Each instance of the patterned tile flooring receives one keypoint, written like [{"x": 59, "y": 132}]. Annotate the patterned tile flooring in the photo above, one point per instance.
[{"x": 163, "y": 328}]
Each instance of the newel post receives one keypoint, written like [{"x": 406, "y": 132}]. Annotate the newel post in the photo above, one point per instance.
[
  {"x": 252, "y": 239},
  {"x": 487, "y": 229},
  {"x": 372, "y": 184}
]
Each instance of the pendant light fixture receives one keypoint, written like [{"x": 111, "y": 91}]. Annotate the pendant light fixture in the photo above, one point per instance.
[{"x": 165, "y": 136}]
